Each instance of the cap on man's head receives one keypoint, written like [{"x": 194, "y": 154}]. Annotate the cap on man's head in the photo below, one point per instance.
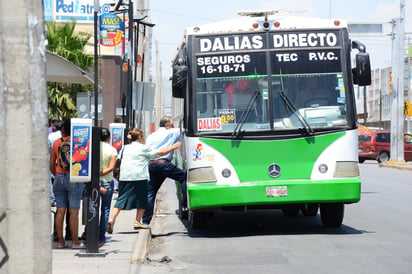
[{"x": 58, "y": 124}]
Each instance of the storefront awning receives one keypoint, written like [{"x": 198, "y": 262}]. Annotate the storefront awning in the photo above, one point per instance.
[{"x": 62, "y": 70}]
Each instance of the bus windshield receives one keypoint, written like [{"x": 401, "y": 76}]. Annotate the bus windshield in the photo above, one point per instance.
[
  {"x": 269, "y": 88},
  {"x": 319, "y": 98}
]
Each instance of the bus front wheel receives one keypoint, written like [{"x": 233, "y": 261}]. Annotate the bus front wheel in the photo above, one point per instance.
[
  {"x": 310, "y": 210},
  {"x": 332, "y": 214},
  {"x": 198, "y": 220}
]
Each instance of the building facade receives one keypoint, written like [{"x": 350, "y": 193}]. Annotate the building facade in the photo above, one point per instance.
[
  {"x": 378, "y": 98},
  {"x": 111, "y": 70}
]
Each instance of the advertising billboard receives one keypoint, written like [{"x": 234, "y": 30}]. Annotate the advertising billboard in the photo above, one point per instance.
[
  {"x": 67, "y": 10},
  {"x": 81, "y": 156}
]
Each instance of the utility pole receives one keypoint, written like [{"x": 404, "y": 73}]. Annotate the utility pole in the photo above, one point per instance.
[
  {"x": 408, "y": 123},
  {"x": 380, "y": 108},
  {"x": 159, "y": 108},
  {"x": 25, "y": 218},
  {"x": 129, "y": 93},
  {"x": 397, "y": 104},
  {"x": 365, "y": 107}
]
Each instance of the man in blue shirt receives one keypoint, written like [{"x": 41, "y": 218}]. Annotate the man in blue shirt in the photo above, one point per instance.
[{"x": 162, "y": 168}]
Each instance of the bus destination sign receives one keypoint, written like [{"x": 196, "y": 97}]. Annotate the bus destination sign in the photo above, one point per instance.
[{"x": 235, "y": 55}]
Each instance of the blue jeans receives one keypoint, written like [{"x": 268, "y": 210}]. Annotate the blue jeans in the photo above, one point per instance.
[
  {"x": 105, "y": 209},
  {"x": 158, "y": 173},
  {"x": 68, "y": 195},
  {"x": 51, "y": 179}
]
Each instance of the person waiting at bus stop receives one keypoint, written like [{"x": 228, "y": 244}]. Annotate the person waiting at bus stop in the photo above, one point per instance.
[
  {"x": 68, "y": 195},
  {"x": 108, "y": 155},
  {"x": 162, "y": 168},
  {"x": 134, "y": 175}
]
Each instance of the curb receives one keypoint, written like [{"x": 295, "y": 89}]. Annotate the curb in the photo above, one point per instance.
[
  {"x": 396, "y": 165},
  {"x": 141, "y": 246}
]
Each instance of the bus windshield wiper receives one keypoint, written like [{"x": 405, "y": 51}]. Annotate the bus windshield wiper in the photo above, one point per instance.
[
  {"x": 246, "y": 112},
  {"x": 293, "y": 108}
]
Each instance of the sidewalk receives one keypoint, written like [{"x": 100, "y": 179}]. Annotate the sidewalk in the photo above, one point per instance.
[
  {"x": 397, "y": 165},
  {"x": 126, "y": 249}
]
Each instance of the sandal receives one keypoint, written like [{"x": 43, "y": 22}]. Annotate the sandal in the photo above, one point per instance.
[
  {"x": 138, "y": 225},
  {"x": 60, "y": 245},
  {"x": 110, "y": 226},
  {"x": 78, "y": 246}
]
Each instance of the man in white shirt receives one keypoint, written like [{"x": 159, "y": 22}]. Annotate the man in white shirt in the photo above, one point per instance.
[{"x": 162, "y": 168}]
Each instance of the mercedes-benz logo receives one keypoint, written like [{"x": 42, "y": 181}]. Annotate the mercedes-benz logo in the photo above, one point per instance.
[{"x": 274, "y": 170}]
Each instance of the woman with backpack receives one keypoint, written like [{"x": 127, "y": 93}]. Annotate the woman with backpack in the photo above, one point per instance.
[{"x": 67, "y": 194}]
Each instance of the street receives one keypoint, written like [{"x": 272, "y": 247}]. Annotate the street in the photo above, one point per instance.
[{"x": 374, "y": 237}]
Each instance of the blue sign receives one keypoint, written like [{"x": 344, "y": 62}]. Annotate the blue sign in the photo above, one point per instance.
[
  {"x": 111, "y": 29},
  {"x": 68, "y": 10}
]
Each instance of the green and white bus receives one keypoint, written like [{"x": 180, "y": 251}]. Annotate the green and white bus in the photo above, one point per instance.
[{"x": 268, "y": 116}]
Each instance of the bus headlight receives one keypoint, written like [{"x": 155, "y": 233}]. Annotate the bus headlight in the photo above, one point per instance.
[
  {"x": 346, "y": 169},
  {"x": 201, "y": 175}
]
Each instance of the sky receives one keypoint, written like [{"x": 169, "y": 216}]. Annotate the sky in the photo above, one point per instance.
[{"x": 172, "y": 17}]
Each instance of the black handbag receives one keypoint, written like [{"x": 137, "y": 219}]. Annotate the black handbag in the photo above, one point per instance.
[{"x": 116, "y": 170}]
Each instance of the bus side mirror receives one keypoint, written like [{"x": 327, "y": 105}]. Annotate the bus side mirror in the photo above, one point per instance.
[
  {"x": 179, "y": 81},
  {"x": 362, "y": 73}
]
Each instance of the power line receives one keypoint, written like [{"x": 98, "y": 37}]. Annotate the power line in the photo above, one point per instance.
[{"x": 183, "y": 15}]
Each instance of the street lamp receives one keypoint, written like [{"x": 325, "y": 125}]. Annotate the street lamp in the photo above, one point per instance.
[
  {"x": 119, "y": 7},
  {"x": 92, "y": 226},
  {"x": 138, "y": 22}
]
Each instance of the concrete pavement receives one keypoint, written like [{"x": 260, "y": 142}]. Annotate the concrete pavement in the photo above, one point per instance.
[
  {"x": 128, "y": 248},
  {"x": 124, "y": 252}
]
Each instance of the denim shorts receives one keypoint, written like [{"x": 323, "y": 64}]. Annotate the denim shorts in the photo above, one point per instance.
[{"x": 68, "y": 195}]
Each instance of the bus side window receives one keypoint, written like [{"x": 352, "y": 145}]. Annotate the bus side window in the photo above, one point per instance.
[{"x": 201, "y": 97}]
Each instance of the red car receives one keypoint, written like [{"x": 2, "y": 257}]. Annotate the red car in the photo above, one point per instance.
[{"x": 376, "y": 145}]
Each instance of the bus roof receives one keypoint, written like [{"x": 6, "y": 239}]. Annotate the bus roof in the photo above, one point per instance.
[
  {"x": 275, "y": 23},
  {"x": 246, "y": 24}
]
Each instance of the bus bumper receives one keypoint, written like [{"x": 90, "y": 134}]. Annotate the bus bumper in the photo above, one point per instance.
[{"x": 209, "y": 196}]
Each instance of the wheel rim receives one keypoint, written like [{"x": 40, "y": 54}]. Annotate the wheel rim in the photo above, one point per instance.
[{"x": 383, "y": 157}]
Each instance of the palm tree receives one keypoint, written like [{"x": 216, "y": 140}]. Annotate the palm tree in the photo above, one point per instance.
[
  {"x": 61, "y": 105},
  {"x": 63, "y": 41}
]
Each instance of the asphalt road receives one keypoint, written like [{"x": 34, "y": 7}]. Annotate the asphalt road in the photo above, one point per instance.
[{"x": 375, "y": 236}]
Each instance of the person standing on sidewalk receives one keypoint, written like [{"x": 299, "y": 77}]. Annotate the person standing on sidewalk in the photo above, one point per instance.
[
  {"x": 64, "y": 192},
  {"x": 162, "y": 168},
  {"x": 134, "y": 174},
  {"x": 53, "y": 136},
  {"x": 108, "y": 155}
]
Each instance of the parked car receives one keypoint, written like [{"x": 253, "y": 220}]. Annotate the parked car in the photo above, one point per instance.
[{"x": 376, "y": 145}]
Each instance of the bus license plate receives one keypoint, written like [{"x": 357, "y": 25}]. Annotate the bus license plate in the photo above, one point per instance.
[{"x": 276, "y": 191}]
